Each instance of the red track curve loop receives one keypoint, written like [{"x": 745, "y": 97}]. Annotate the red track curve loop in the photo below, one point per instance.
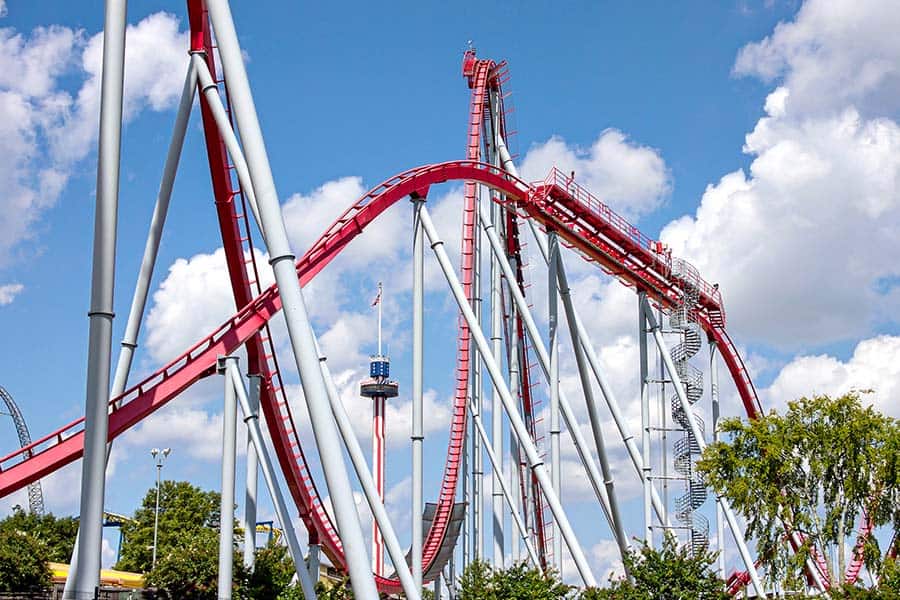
[{"x": 589, "y": 227}]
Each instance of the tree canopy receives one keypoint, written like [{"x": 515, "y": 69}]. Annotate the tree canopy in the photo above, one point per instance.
[
  {"x": 481, "y": 581},
  {"x": 813, "y": 471},
  {"x": 669, "y": 572},
  {"x": 27, "y": 543}
]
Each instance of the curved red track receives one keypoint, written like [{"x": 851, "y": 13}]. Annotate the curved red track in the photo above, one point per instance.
[
  {"x": 583, "y": 222},
  {"x": 598, "y": 236}
]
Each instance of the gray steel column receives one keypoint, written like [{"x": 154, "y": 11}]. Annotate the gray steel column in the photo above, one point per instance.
[
  {"x": 591, "y": 402},
  {"x": 497, "y": 343},
  {"x": 645, "y": 418},
  {"x": 252, "y": 478},
  {"x": 477, "y": 397},
  {"x": 698, "y": 435},
  {"x": 148, "y": 263},
  {"x": 418, "y": 376},
  {"x": 157, "y": 222},
  {"x": 436, "y": 590},
  {"x": 568, "y": 415},
  {"x": 495, "y": 461},
  {"x": 96, "y": 424},
  {"x": 295, "y": 313},
  {"x": 514, "y": 459},
  {"x": 226, "y": 507},
  {"x": 518, "y": 425},
  {"x": 269, "y": 475},
  {"x": 714, "y": 397},
  {"x": 584, "y": 339},
  {"x": 553, "y": 321},
  {"x": 210, "y": 91},
  {"x": 314, "y": 562},
  {"x": 367, "y": 481}
]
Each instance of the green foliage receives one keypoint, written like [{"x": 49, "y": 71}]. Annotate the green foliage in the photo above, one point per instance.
[
  {"x": 184, "y": 512},
  {"x": 817, "y": 468},
  {"x": 190, "y": 570},
  {"x": 55, "y": 534},
  {"x": 27, "y": 543},
  {"x": 23, "y": 562},
  {"x": 340, "y": 590},
  {"x": 272, "y": 572},
  {"x": 669, "y": 573},
  {"x": 187, "y": 564},
  {"x": 480, "y": 581}
]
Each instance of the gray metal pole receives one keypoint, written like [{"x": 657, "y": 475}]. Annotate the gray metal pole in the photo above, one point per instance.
[
  {"x": 477, "y": 396},
  {"x": 252, "y": 478},
  {"x": 495, "y": 461},
  {"x": 584, "y": 339},
  {"x": 645, "y": 419},
  {"x": 370, "y": 490},
  {"x": 714, "y": 397},
  {"x": 314, "y": 562},
  {"x": 537, "y": 342},
  {"x": 210, "y": 90},
  {"x": 436, "y": 590},
  {"x": 527, "y": 444},
  {"x": 269, "y": 475},
  {"x": 698, "y": 435},
  {"x": 226, "y": 506},
  {"x": 295, "y": 313},
  {"x": 514, "y": 460},
  {"x": 553, "y": 322},
  {"x": 148, "y": 263},
  {"x": 157, "y": 222},
  {"x": 497, "y": 343},
  {"x": 418, "y": 374},
  {"x": 96, "y": 424},
  {"x": 156, "y": 516},
  {"x": 593, "y": 412}
]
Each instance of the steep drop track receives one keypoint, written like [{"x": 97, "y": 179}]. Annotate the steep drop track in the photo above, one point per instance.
[{"x": 585, "y": 224}]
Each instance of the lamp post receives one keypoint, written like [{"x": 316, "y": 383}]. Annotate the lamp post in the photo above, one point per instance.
[{"x": 160, "y": 457}]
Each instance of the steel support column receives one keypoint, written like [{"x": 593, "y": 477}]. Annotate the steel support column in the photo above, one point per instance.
[
  {"x": 367, "y": 481},
  {"x": 252, "y": 478},
  {"x": 645, "y": 418},
  {"x": 148, "y": 264},
  {"x": 534, "y": 460},
  {"x": 553, "y": 377},
  {"x": 520, "y": 524},
  {"x": 96, "y": 424},
  {"x": 698, "y": 435},
  {"x": 295, "y": 313},
  {"x": 418, "y": 424},
  {"x": 591, "y": 402},
  {"x": 226, "y": 506},
  {"x": 714, "y": 397},
  {"x": 584, "y": 339},
  {"x": 269, "y": 475}
]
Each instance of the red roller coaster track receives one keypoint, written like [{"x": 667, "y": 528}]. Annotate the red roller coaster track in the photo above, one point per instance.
[{"x": 584, "y": 223}]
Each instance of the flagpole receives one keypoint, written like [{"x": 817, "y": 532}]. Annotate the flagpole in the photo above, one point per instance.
[{"x": 378, "y": 302}]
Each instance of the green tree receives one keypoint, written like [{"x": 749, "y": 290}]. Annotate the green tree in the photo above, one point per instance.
[
  {"x": 812, "y": 471},
  {"x": 187, "y": 563},
  {"x": 272, "y": 572},
  {"x": 55, "y": 534},
  {"x": 481, "y": 581},
  {"x": 23, "y": 562},
  {"x": 669, "y": 573},
  {"x": 184, "y": 511}
]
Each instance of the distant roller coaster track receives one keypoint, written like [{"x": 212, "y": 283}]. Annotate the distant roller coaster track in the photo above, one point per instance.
[{"x": 35, "y": 494}]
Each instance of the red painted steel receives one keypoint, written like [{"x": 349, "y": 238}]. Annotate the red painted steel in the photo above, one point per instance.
[{"x": 65, "y": 445}]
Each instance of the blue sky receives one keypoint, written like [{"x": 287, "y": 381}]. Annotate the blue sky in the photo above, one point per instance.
[{"x": 758, "y": 139}]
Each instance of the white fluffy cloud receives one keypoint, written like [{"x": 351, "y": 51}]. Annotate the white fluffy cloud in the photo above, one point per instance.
[
  {"x": 802, "y": 244},
  {"x": 630, "y": 178},
  {"x": 833, "y": 54},
  {"x": 9, "y": 291},
  {"x": 872, "y": 366},
  {"x": 47, "y": 124}
]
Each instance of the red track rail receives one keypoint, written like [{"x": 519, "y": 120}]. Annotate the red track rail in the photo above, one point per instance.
[{"x": 592, "y": 234}]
